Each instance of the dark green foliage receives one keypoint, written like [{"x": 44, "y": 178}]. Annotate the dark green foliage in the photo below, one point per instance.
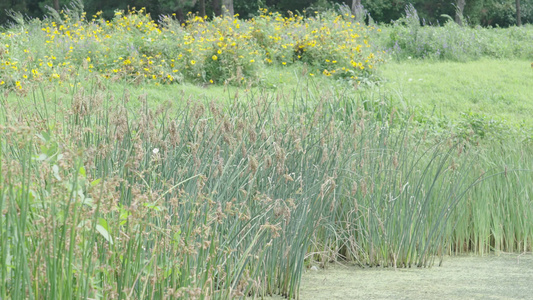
[
  {"x": 292, "y": 5},
  {"x": 482, "y": 12}
]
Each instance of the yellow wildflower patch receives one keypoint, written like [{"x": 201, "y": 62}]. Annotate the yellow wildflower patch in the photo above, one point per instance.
[{"x": 132, "y": 45}]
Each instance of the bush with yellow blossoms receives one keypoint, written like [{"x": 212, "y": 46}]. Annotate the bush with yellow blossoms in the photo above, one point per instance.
[{"x": 224, "y": 50}]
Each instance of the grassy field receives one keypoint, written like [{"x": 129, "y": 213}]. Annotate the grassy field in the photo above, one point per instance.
[
  {"x": 134, "y": 184},
  {"x": 498, "y": 89}
]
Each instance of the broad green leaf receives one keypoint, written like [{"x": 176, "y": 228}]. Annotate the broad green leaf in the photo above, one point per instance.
[
  {"x": 41, "y": 136},
  {"x": 96, "y": 182},
  {"x": 33, "y": 195},
  {"x": 152, "y": 206},
  {"x": 88, "y": 202},
  {"x": 55, "y": 171},
  {"x": 177, "y": 236},
  {"x": 103, "y": 223},
  {"x": 42, "y": 157},
  {"x": 123, "y": 216},
  {"x": 104, "y": 233},
  {"x": 82, "y": 171}
]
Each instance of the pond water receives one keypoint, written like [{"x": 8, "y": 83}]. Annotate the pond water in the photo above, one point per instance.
[{"x": 507, "y": 276}]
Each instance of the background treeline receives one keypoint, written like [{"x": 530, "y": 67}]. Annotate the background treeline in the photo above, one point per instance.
[{"x": 476, "y": 12}]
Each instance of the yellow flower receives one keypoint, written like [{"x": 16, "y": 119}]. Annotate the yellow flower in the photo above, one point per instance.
[
  {"x": 193, "y": 62},
  {"x": 214, "y": 57}
]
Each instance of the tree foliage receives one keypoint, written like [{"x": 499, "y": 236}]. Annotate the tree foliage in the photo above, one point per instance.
[{"x": 476, "y": 12}]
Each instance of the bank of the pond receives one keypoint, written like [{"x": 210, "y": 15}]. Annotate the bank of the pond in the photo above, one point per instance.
[{"x": 507, "y": 276}]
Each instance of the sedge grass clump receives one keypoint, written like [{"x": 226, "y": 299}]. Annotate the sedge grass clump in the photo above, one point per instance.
[
  {"x": 496, "y": 211},
  {"x": 206, "y": 202},
  {"x": 112, "y": 198}
]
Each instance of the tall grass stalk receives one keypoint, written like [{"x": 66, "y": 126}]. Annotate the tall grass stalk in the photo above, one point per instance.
[{"x": 212, "y": 200}]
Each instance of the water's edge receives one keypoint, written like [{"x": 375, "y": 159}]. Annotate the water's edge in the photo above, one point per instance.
[{"x": 506, "y": 276}]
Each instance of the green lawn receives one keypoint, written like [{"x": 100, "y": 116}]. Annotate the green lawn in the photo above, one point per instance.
[
  {"x": 499, "y": 89},
  {"x": 283, "y": 82}
]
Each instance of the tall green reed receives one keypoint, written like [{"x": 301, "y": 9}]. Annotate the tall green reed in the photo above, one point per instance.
[
  {"x": 106, "y": 197},
  {"x": 496, "y": 212}
]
